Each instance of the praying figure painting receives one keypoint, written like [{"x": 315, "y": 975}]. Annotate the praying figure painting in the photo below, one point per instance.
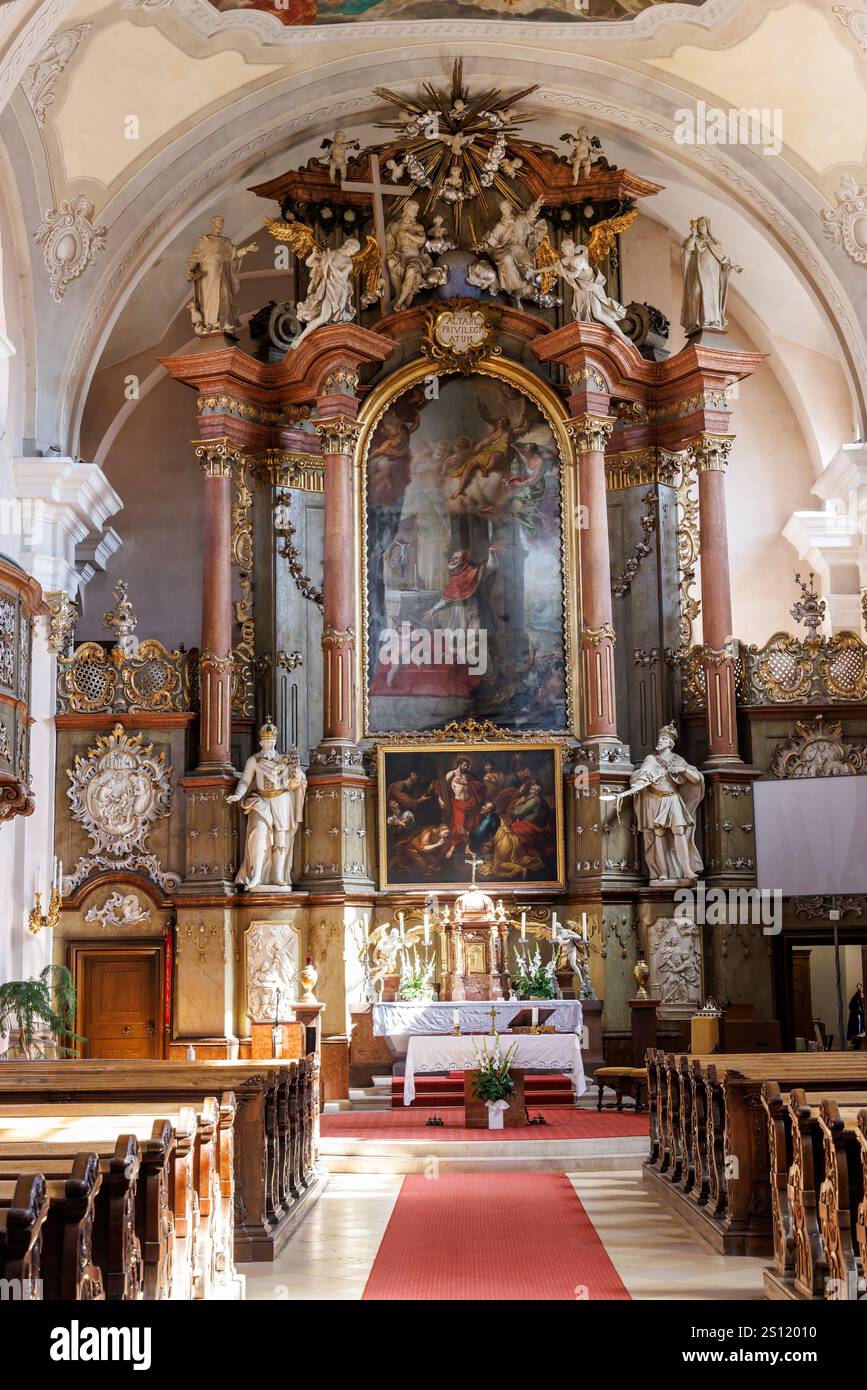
[
  {"x": 466, "y": 608},
  {"x": 301, "y": 12},
  {"x": 444, "y": 805}
]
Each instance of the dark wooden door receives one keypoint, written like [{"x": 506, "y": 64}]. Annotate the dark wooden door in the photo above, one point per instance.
[
  {"x": 802, "y": 997},
  {"x": 119, "y": 1001}
]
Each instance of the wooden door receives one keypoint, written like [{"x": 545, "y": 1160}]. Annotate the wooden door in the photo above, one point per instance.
[
  {"x": 802, "y": 999},
  {"x": 119, "y": 994}
]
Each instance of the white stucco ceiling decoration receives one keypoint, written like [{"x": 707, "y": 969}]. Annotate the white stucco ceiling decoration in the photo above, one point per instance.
[
  {"x": 846, "y": 225},
  {"x": 25, "y": 28},
  {"x": 856, "y": 22},
  {"x": 41, "y": 77},
  {"x": 205, "y": 19},
  {"x": 69, "y": 241}
]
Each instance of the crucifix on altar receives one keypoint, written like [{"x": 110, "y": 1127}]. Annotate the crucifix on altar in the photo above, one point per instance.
[{"x": 376, "y": 188}]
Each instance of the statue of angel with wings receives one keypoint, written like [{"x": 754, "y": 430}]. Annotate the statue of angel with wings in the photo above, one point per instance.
[{"x": 330, "y": 293}]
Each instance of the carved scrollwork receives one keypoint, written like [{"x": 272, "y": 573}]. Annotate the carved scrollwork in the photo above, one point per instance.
[
  {"x": 91, "y": 681},
  {"x": 816, "y": 750},
  {"x": 591, "y": 433}
]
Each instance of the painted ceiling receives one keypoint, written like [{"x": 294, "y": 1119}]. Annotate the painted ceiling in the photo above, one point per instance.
[{"x": 301, "y": 12}]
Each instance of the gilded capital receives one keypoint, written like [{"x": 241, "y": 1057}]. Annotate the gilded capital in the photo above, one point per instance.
[
  {"x": 709, "y": 453},
  {"x": 339, "y": 436},
  {"x": 591, "y": 433},
  {"x": 217, "y": 457}
]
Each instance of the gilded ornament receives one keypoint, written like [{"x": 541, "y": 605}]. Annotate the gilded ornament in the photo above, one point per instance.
[{"x": 591, "y": 433}]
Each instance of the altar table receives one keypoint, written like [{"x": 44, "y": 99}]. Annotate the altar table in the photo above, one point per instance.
[
  {"x": 399, "y": 1020},
  {"x": 535, "y": 1052}
]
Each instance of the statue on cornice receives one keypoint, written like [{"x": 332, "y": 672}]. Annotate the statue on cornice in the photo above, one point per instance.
[
  {"x": 512, "y": 246},
  {"x": 410, "y": 267},
  {"x": 271, "y": 792},
  {"x": 668, "y": 792},
  {"x": 585, "y": 150},
  {"x": 330, "y": 290},
  {"x": 706, "y": 273},
  {"x": 214, "y": 270},
  {"x": 591, "y": 302}
]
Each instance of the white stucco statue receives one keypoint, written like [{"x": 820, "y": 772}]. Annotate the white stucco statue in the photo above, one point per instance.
[
  {"x": 511, "y": 247},
  {"x": 591, "y": 302},
  {"x": 706, "y": 273},
  {"x": 585, "y": 148},
  {"x": 271, "y": 792},
  {"x": 214, "y": 270},
  {"x": 330, "y": 290},
  {"x": 668, "y": 792},
  {"x": 410, "y": 267}
]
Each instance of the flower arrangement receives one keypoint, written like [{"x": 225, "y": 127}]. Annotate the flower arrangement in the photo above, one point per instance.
[
  {"x": 535, "y": 980},
  {"x": 494, "y": 1080},
  {"x": 416, "y": 981}
]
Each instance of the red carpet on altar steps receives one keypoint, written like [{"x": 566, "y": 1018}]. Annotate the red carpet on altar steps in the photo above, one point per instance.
[
  {"x": 562, "y": 1122},
  {"x": 491, "y": 1236}
]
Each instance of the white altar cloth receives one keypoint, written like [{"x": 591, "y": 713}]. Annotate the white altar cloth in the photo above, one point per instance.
[
  {"x": 399, "y": 1020},
  {"x": 534, "y": 1052}
]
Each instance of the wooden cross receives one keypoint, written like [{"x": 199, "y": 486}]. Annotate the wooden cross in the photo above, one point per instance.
[{"x": 376, "y": 188}]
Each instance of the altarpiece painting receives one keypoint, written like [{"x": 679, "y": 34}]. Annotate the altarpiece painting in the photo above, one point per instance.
[
  {"x": 468, "y": 604},
  {"x": 444, "y": 805}
]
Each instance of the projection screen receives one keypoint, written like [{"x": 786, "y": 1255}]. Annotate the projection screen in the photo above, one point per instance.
[{"x": 811, "y": 835}]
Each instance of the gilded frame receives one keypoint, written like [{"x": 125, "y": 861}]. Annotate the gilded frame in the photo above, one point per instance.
[
  {"x": 410, "y": 744},
  {"x": 550, "y": 406}
]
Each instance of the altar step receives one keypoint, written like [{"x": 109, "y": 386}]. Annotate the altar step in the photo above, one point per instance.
[
  {"x": 432, "y": 1092},
  {"x": 347, "y": 1154}
]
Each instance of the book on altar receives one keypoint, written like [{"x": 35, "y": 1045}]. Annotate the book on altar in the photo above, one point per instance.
[{"x": 524, "y": 1018}]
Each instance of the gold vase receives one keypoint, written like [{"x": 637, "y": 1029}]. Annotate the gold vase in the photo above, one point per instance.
[
  {"x": 641, "y": 973},
  {"x": 307, "y": 979}
]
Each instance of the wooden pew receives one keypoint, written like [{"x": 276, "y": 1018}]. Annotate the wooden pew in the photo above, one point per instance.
[
  {"x": 817, "y": 1249},
  {"x": 709, "y": 1154},
  {"x": 276, "y": 1173},
  {"x": 68, "y": 1269},
  {"x": 116, "y": 1245},
  {"x": 21, "y": 1225}
]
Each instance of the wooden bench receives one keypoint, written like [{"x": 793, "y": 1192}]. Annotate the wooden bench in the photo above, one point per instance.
[
  {"x": 709, "y": 1155},
  {"x": 268, "y": 1163},
  {"x": 68, "y": 1270},
  {"x": 818, "y": 1149},
  {"x": 631, "y": 1081},
  {"x": 21, "y": 1225}
]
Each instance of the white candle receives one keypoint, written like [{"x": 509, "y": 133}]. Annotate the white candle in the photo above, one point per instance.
[
  {"x": 456, "y": 1018},
  {"x": 426, "y": 930},
  {"x": 554, "y": 927},
  {"x": 523, "y": 926},
  {"x": 584, "y": 925},
  {"x": 535, "y": 1018},
  {"x": 400, "y": 917}
]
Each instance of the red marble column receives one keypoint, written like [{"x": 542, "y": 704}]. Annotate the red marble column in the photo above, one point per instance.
[
  {"x": 709, "y": 455},
  {"x": 590, "y": 433},
  {"x": 217, "y": 458},
  {"x": 339, "y": 432}
]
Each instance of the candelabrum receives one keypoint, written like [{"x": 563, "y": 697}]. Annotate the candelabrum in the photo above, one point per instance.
[{"x": 37, "y": 919}]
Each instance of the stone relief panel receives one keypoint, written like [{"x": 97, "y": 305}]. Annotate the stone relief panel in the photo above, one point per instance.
[
  {"x": 271, "y": 968},
  {"x": 676, "y": 965},
  {"x": 119, "y": 910}
]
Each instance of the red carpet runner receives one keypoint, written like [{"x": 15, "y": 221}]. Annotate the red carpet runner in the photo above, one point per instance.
[
  {"x": 561, "y": 1123},
  {"x": 491, "y": 1236}
]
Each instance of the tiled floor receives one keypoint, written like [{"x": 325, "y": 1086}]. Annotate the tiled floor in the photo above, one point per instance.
[
  {"x": 330, "y": 1257},
  {"x": 656, "y": 1256}
]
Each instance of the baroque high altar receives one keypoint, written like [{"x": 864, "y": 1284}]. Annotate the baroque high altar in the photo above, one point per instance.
[{"x": 411, "y": 576}]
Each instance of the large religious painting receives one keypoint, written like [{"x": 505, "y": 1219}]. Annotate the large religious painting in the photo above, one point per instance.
[
  {"x": 302, "y": 12},
  {"x": 468, "y": 615},
  {"x": 443, "y": 806}
]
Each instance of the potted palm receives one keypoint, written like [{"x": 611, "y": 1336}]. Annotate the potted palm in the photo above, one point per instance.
[{"x": 40, "y": 1013}]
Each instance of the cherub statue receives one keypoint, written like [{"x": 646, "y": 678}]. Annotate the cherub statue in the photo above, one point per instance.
[
  {"x": 338, "y": 148},
  {"x": 214, "y": 271},
  {"x": 584, "y": 146},
  {"x": 438, "y": 239},
  {"x": 410, "y": 268},
  {"x": 330, "y": 297},
  {"x": 271, "y": 791},
  {"x": 388, "y": 953}
]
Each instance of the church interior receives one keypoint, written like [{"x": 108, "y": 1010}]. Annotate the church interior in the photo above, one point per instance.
[{"x": 433, "y": 652}]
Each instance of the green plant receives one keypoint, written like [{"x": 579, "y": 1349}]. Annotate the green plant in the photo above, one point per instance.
[
  {"x": 494, "y": 1080},
  {"x": 535, "y": 980},
  {"x": 35, "y": 1006},
  {"x": 416, "y": 981}
]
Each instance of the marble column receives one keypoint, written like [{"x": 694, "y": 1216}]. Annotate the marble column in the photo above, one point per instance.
[
  {"x": 590, "y": 434},
  {"x": 339, "y": 433},
  {"x": 217, "y": 458},
  {"x": 709, "y": 454}
]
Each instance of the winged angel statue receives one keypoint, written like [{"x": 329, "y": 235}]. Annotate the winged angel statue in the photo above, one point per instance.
[{"x": 330, "y": 296}]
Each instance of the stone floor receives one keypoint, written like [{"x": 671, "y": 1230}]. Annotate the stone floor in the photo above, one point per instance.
[{"x": 331, "y": 1255}]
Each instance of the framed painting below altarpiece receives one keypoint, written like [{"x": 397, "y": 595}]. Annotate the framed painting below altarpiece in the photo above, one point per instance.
[{"x": 442, "y": 805}]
